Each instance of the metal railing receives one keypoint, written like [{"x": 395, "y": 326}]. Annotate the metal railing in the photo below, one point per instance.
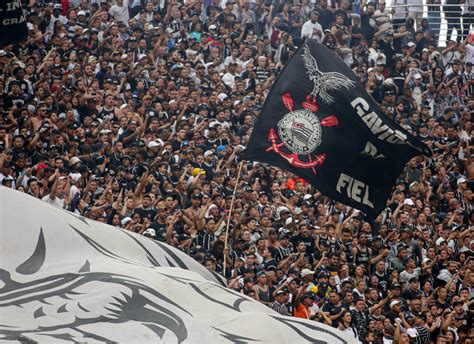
[{"x": 437, "y": 19}]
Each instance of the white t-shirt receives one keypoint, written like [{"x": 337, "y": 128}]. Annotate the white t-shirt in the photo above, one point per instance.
[
  {"x": 61, "y": 18},
  {"x": 307, "y": 31},
  {"x": 57, "y": 202},
  {"x": 120, "y": 13},
  {"x": 405, "y": 276},
  {"x": 229, "y": 80}
]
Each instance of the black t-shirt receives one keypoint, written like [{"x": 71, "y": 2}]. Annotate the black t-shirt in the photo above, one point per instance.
[
  {"x": 442, "y": 305},
  {"x": 326, "y": 17},
  {"x": 389, "y": 51},
  {"x": 160, "y": 230},
  {"x": 366, "y": 28},
  {"x": 308, "y": 241},
  {"x": 146, "y": 213},
  {"x": 383, "y": 281},
  {"x": 409, "y": 294},
  {"x": 333, "y": 309}
]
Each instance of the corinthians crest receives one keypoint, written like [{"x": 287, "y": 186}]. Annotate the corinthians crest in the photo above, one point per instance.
[{"x": 300, "y": 131}]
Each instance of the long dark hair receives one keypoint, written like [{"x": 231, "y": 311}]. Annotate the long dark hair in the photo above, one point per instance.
[{"x": 342, "y": 318}]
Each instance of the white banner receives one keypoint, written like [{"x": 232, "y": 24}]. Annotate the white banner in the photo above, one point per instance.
[{"x": 65, "y": 278}]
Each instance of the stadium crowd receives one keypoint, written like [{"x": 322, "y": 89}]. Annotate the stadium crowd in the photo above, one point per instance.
[{"x": 137, "y": 114}]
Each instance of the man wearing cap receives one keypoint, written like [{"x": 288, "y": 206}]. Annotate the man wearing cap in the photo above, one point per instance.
[
  {"x": 394, "y": 311},
  {"x": 279, "y": 305},
  {"x": 419, "y": 333},
  {"x": 461, "y": 184},
  {"x": 387, "y": 48},
  {"x": 150, "y": 233},
  {"x": 55, "y": 16},
  {"x": 307, "y": 278}
]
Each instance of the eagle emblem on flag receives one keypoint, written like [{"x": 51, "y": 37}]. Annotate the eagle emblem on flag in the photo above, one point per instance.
[{"x": 323, "y": 82}]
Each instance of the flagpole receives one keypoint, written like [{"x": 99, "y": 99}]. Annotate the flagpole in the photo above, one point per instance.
[{"x": 230, "y": 215}]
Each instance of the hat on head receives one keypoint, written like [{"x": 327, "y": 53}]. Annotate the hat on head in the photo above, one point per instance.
[
  {"x": 408, "y": 201},
  {"x": 306, "y": 272},
  {"x": 412, "y": 332},
  {"x": 7, "y": 180},
  {"x": 74, "y": 160},
  {"x": 293, "y": 270},
  {"x": 283, "y": 236},
  {"x": 126, "y": 220},
  {"x": 461, "y": 180},
  {"x": 150, "y": 232},
  {"x": 394, "y": 303},
  {"x": 421, "y": 315},
  {"x": 155, "y": 143},
  {"x": 323, "y": 274},
  {"x": 208, "y": 153},
  {"x": 222, "y": 96},
  {"x": 75, "y": 176}
]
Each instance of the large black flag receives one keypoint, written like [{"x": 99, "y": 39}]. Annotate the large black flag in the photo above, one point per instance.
[
  {"x": 319, "y": 123},
  {"x": 13, "y": 27}
]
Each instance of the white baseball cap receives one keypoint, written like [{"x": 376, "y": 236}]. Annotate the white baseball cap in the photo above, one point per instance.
[
  {"x": 150, "y": 232},
  {"x": 306, "y": 272},
  {"x": 126, "y": 220},
  {"x": 394, "y": 303},
  {"x": 153, "y": 143}
]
